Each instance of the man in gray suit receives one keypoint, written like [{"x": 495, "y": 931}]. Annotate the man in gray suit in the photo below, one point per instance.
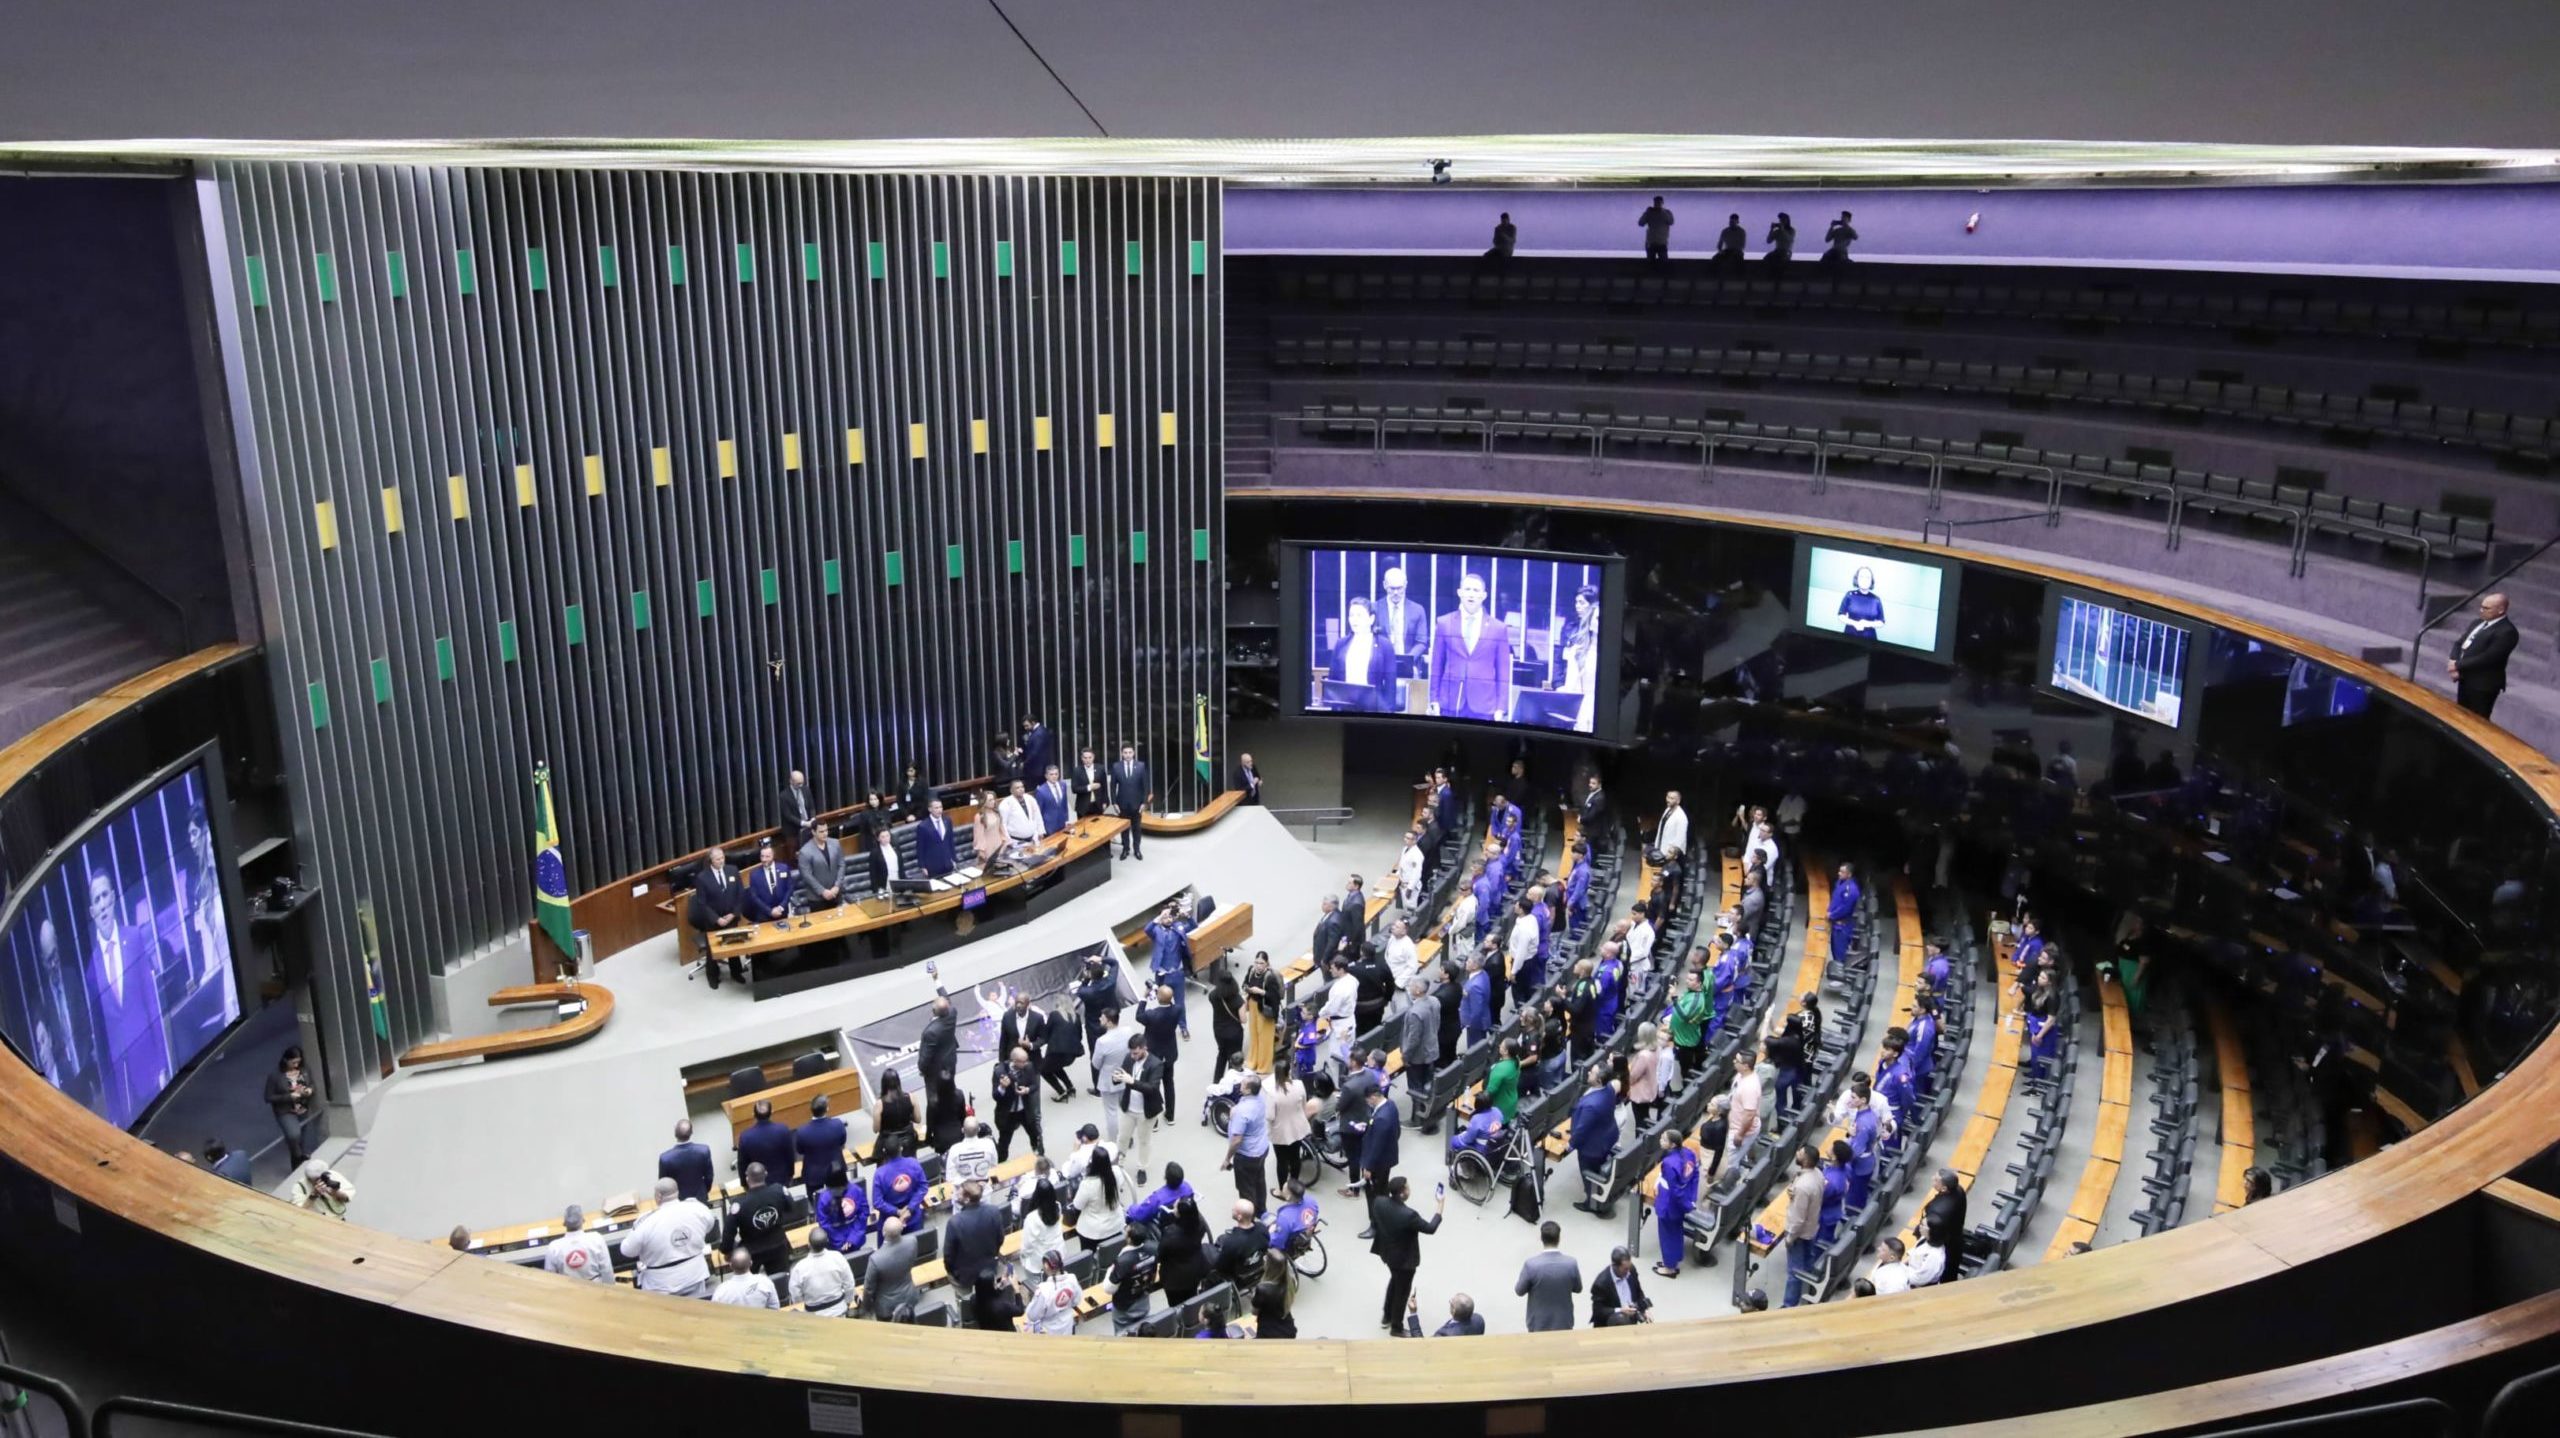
[
  {"x": 889, "y": 1284},
  {"x": 1110, "y": 1057},
  {"x": 1551, "y": 1281},
  {"x": 821, "y": 869},
  {"x": 1418, "y": 1040}
]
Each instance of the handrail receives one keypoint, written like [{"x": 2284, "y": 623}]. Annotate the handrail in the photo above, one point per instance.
[
  {"x": 1830, "y": 447},
  {"x": 1314, "y": 818},
  {"x": 2481, "y": 588},
  {"x": 75, "y": 1419},
  {"x": 159, "y": 1408},
  {"x": 1952, "y": 525},
  {"x": 2426, "y": 547}
]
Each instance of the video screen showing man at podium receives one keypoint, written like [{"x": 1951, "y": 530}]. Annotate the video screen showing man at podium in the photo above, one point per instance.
[{"x": 1487, "y": 636}]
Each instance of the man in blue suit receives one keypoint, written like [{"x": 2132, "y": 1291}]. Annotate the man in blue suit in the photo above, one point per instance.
[
  {"x": 821, "y": 1145},
  {"x": 768, "y": 1143},
  {"x": 1131, "y": 787},
  {"x": 688, "y": 1163},
  {"x": 933, "y": 842},
  {"x": 1444, "y": 801},
  {"x": 718, "y": 902},
  {"x": 1471, "y": 659},
  {"x": 1595, "y": 1139},
  {"x": 1057, "y": 805},
  {"x": 1475, "y": 1002},
  {"x": 1378, "y": 1150},
  {"x": 126, "y": 991},
  {"x": 769, "y": 890},
  {"x": 1844, "y": 913},
  {"x": 1039, "y": 747}
]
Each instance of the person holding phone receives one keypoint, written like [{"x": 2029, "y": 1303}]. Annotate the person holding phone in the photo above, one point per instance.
[{"x": 1397, "y": 1241}]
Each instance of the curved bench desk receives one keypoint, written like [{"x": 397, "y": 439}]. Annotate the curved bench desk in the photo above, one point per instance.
[
  {"x": 506, "y": 1043},
  {"x": 2201, "y": 1302}
]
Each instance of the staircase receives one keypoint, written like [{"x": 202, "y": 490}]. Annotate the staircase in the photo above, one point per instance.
[
  {"x": 58, "y": 646},
  {"x": 1248, "y": 343}
]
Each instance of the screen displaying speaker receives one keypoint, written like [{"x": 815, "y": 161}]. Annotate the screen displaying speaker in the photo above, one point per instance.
[
  {"x": 2118, "y": 657},
  {"x": 116, "y": 965},
  {"x": 1873, "y": 596},
  {"x": 1505, "y": 637}
]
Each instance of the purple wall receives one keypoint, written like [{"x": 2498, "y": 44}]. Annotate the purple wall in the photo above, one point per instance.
[{"x": 2485, "y": 232}]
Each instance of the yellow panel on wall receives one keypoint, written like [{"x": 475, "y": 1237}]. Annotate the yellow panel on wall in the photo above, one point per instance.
[
  {"x": 728, "y": 459},
  {"x": 853, "y": 446},
  {"x": 595, "y": 475},
  {"x": 791, "y": 451},
  {"x": 977, "y": 436},
  {"x": 524, "y": 486},
  {"x": 1106, "y": 431},
  {"x": 1165, "y": 427},
  {"x": 662, "y": 467},
  {"x": 457, "y": 496},
  {"x": 391, "y": 513},
  {"x": 1040, "y": 431},
  {"x": 325, "y": 515},
  {"x": 915, "y": 441}
]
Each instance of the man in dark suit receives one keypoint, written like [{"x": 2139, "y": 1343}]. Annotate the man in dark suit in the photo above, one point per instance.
[
  {"x": 1092, "y": 785},
  {"x": 718, "y": 902},
  {"x": 2478, "y": 667},
  {"x": 1401, "y": 622},
  {"x": 933, "y": 841},
  {"x": 798, "y": 808},
  {"x": 1131, "y": 788},
  {"x": 769, "y": 1143},
  {"x": 1444, "y": 801},
  {"x": 1022, "y": 1026},
  {"x": 688, "y": 1163},
  {"x": 1057, "y": 804},
  {"x": 1329, "y": 931},
  {"x": 822, "y": 869},
  {"x": 820, "y": 1142},
  {"x": 1248, "y": 781},
  {"x": 769, "y": 890},
  {"x": 1617, "y": 1294},
  {"x": 1061, "y": 1044},
  {"x": 1942, "y": 1220},
  {"x": 1593, "y": 812},
  {"x": 1380, "y": 1148},
  {"x": 1396, "y": 1237},
  {"x": 1039, "y": 748}
]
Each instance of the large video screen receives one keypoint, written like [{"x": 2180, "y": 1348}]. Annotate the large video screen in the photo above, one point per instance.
[
  {"x": 1482, "y": 636},
  {"x": 2121, "y": 658},
  {"x": 1875, "y": 596},
  {"x": 116, "y": 966}
]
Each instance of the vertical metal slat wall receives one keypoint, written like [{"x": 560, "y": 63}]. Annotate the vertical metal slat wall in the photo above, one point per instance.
[{"x": 709, "y": 585}]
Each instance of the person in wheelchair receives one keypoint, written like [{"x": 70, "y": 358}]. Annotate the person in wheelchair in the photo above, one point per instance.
[
  {"x": 1297, "y": 1216},
  {"x": 1483, "y": 1136}
]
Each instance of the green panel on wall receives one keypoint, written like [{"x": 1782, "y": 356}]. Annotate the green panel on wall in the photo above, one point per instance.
[
  {"x": 810, "y": 268},
  {"x": 639, "y": 609},
  {"x": 1137, "y": 546},
  {"x": 537, "y": 268},
  {"x": 1004, "y": 259},
  {"x": 1199, "y": 257},
  {"x": 257, "y": 283},
  {"x": 1200, "y": 544},
  {"x": 1075, "y": 551},
  {"x": 319, "y": 706},
  {"x": 879, "y": 259},
  {"x": 466, "y": 273},
  {"x": 1136, "y": 256},
  {"x": 573, "y": 623},
  {"x": 831, "y": 576},
  {"x": 893, "y": 567},
  {"x": 706, "y": 600},
  {"x": 395, "y": 270},
  {"x": 382, "y": 681},
  {"x": 941, "y": 260},
  {"x": 954, "y": 562},
  {"x": 769, "y": 583},
  {"x": 507, "y": 641},
  {"x": 1066, "y": 257},
  {"x": 675, "y": 264},
  {"x": 746, "y": 264},
  {"x": 444, "y": 658},
  {"x": 608, "y": 266},
  {"x": 1013, "y": 556},
  {"x": 324, "y": 272}
]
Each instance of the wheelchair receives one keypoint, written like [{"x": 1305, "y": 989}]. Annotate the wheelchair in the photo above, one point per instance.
[
  {"x": 1306, "y": 1251},
  {"x": 1477, "y": 1178}
]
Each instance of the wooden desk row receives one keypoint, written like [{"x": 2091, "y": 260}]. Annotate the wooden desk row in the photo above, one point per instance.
[
  {"x": 2239, "y": 1112},
  {"x": 2115, "y": 1113},
  {"x": 585, "y": 1023}
]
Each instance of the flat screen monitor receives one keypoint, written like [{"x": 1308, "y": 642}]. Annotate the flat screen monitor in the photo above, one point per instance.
[
  {"x": 116, "y": 964},
  {"x": 1875, "y": 596},
  {"x": 2125, "y": 658},
  {"x": 1511, "y": 638},
  {"x": 973, "y": 898},
  {"x": 2315, "y": 691}
]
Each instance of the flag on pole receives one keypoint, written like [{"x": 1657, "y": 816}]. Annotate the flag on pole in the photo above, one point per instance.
[
  {"x": 1200, "y": 735},
  {"x": 550, "y": 875},
  {"x": 372, "y": 940}
]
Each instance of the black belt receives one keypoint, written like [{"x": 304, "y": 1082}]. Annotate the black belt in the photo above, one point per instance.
[{"x": 671, "y": 1263}]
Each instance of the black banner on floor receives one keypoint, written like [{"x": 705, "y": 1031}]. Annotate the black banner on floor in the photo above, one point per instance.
[{"x": 890, "y": 1043}]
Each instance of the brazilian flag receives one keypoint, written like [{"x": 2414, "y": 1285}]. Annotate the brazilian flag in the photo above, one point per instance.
[
  {"x": 550, "y": 875},
  {"x": 1200, "y": 735}
]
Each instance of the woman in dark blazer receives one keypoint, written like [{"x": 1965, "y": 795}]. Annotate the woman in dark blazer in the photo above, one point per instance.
[
  {"x": 1365, "y": 658},
  {"x": 295, "y": 1102}
]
